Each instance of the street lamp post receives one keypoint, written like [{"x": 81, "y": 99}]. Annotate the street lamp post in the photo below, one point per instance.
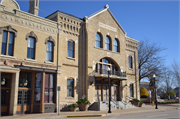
[
  {"x": 108, "y": 69},
  {"x": 154, "y": 76}
]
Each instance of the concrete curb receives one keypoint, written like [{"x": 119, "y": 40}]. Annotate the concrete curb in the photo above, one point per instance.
[
  {"x": 90, "y": 115},
  {"x": 144, "y": 111}
]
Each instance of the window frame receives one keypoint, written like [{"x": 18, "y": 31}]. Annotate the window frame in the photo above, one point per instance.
[
  {"x": 117, "y": 45},
  {"x": 36, "y": 86},
  {"x": 52, "y": 52},
  {"x": 99, "y": 41},
  {"x": 7, "y": 42},
  {"x": 50, "y": 88},
  {"x": 68, "y": 49},
  {"x": 131, "y": 86},
  {"x": 103, "y": 64},
  {"x": 110, "y": 43},
  {"x": 31, "y": 48},
  {"x": 130, "y": 62},
  {"x": 71, "y": 87}
]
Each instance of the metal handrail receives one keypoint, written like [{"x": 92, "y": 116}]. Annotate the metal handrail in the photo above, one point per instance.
[
  {"x": 116, "y": 73},
  {"x": 116, "y": 103}
]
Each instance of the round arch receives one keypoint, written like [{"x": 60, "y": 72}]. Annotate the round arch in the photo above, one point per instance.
[
  {"x": 109, "y": 44},
  {"x": 105, "y": 62}
]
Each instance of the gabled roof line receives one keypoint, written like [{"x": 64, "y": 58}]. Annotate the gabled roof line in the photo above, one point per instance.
[
  {"x": 116, "y": 21},
  {"x": 96, "y": 13},
  {"x": 106, "y": 7}
]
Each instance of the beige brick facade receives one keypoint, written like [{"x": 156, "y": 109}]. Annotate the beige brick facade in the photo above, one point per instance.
[{"x": 59, "y": 28}]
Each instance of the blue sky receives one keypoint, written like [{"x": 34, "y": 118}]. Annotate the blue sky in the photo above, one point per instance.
[{"x": 157, "y": 21}]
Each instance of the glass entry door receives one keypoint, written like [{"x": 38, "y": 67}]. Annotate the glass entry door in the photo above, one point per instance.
[
  {"x": 24, "y": 92},
  {"x": 98, "y": 92},
  {"x": 105, "y": 93},
  {"x": 114, "y": 92},
  {"x": 24, "y": 101}
]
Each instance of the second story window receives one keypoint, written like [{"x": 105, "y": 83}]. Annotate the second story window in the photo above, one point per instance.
[
  {"x": 8, "y": 39},
  {"x": 116, "y": 47},
  {"x": 130, "y": 62},
  {"x": 107, "y": 43},
  {"x": 49, "y": 51},
  {"x": 98, "y": 41},
  {"x": 7, "y": 43},
  {"x": 70, "y": 49},
  {"x": 31, "y": 48}
]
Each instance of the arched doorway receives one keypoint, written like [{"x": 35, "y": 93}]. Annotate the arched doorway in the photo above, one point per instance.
[{"x": 101, "y": 81}]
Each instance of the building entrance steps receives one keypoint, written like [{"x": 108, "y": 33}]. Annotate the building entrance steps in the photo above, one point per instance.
[
  {"x": 104, "y": 105},
  {"x": 145, "y": 108}
]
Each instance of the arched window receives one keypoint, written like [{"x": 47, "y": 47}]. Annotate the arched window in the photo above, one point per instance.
[
  {"x": 116, "y": 46},
  {"x": 9, "y": 35},
  {"x": 70, "y": 49},
  {"x": 31, "y": 48},
  {"x": 98, "y": 41},
  {"x": 107, "y": 43},
  {"x": 49, "y": 51},
  {"x": 130, "y": 62},
  {"x": 50, "y": 48},
  {"x": 103, "y": 64},
  {"x": 70, "y": 87},
  {"x": 32, "y": 39}
]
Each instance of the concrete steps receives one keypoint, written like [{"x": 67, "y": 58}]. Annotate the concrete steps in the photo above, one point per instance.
[{"x": 104, "y": 106}]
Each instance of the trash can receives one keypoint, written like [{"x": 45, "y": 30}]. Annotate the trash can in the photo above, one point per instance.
[{"x": 152, "y": 103}]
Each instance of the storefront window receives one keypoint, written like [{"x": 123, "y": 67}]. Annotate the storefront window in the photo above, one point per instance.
[
  {"x": 49, "y": 88},
  {"x": 25, "y": 79},
  {"x": 37, "y": 92}
]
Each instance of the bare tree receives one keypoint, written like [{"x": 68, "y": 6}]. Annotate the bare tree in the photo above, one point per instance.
[
  {"x": 175, "y": 71},
  {"x": 167, "y": 81},
  {"x": 150, "y": 60}
]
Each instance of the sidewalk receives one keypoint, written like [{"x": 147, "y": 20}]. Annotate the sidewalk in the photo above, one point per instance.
[{"x": 145, "y": 108}]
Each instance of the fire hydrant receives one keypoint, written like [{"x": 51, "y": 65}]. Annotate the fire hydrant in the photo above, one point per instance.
[{"x": 152, "y": 103}]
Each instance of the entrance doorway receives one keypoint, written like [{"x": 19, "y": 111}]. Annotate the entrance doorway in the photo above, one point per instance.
[
  {"x": 98, "y": 93},
  {"x": 5, "y": 92},
  {"x": 114, "y": 92},
  {"x": 105, "y": 93},
  {"x": 102, "y": 90},
  {"x": 5, "y": 95},
  {"x": 24, "y": 99},
  {"x": 24, "y": 93}
]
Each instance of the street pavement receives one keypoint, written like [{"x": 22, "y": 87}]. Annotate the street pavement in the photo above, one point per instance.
[
  {"x": 164, "y": 111},
  {"x": 167, "y": 114}
]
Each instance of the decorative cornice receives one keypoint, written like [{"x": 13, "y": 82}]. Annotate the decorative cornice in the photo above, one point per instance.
[
  {"x": 50, "y": 39},
  {"x": 8, "y": 28},
  {"x": 31, "y": 34}
]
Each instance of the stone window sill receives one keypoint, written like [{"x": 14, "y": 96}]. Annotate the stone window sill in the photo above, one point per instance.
[
  {"x": 70, "y": 58},
  {"x": 131, "y": 69},
  {"x": 71, "y": 98},
  {"x": 7, "y": 56},
  {"x": 48, "y": 62},
  {"x": 32, "y": 60}
]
